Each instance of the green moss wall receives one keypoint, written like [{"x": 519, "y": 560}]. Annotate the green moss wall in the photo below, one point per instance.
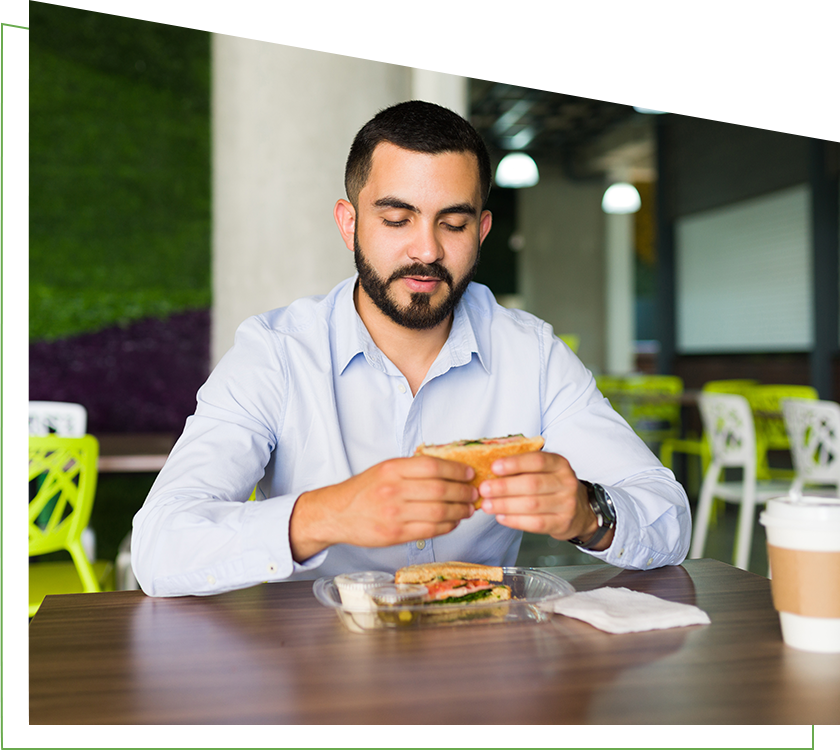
[{"x": 119, "y": 171}]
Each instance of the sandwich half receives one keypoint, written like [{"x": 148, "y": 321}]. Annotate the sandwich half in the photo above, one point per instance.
[
  {"x": 457, "y": 582},
  {"x": 481, "y": 453}
]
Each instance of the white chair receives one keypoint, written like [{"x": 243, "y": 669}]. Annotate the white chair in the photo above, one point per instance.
[
  {"x": 813, "y": 428},
  {"x": 728, "y": 422},
  {"x": 64, "y": 419},
  {"x": 58, "y": 417}
]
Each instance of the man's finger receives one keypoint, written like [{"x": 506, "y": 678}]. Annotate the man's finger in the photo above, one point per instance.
[
  {"x": 431, "y": 466},
  {"x": 438, "y": 491},
  {"x": 525, "y": 463}
]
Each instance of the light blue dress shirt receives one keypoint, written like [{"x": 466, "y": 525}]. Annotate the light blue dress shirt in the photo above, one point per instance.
[{"x": 305, "y": 399}]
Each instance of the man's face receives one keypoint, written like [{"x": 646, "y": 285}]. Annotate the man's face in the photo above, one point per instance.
[{"x": 417, "y": 233}]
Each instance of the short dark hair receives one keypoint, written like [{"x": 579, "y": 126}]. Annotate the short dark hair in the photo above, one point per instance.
[{"x": 415, "y": 126}]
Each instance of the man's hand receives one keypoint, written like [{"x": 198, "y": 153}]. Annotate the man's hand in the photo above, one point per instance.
[
  {"x": 539, "y": 492},
  {"x": 396, "y": 501}
]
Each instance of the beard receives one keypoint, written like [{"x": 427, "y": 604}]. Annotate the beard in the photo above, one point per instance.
[{"x": 419, "y": 314}]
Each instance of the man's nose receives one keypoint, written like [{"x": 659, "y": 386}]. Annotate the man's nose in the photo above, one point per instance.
[{"x": 426, "y": 247}]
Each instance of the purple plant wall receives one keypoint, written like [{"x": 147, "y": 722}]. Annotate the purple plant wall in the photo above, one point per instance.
[{"x": 140, "y": 378}]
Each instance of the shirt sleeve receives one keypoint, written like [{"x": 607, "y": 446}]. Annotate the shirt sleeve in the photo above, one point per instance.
[
  {"x": 653, "y": 520},
  {"x": 197, "y": 533}
]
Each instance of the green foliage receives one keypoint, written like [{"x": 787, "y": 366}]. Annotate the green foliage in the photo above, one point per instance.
[
  {"x": 67, "y": 312},
  {"x": 119, "y": 170}
]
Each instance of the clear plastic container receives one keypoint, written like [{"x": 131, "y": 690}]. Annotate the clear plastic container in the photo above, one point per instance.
[
  {"x": 398, "y": 603},
  {"x": 533, "y": 593},
  {"x": 354, "y": 594}
]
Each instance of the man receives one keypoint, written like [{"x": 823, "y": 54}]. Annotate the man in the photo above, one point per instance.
[{"x": 322, "y": 404}]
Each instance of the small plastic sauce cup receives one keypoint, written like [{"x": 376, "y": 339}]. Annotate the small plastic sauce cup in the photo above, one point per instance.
[
  {"x": 354, "y": 590},
  {"x": 395, "y": 602}
]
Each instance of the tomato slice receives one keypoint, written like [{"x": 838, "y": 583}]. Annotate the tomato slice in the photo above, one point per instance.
[{"x": 454, "y": 587}]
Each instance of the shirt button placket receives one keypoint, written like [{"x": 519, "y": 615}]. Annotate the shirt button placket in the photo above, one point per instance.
[{"x": 420, "y": 551}]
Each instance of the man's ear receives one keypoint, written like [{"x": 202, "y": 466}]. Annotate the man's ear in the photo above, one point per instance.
[
  {"x": 345, "y": 218},
  {"x": 484, "y": 224}
]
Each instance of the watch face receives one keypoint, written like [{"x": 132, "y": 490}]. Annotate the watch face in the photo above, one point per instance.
[{"x": 605, "y": 507}]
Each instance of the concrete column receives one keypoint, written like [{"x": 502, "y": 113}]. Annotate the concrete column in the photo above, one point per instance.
[
  {"x": 620, "y": 293},
  {"x": 561, "y": 264},
  {"x": 283, "y": 121}
]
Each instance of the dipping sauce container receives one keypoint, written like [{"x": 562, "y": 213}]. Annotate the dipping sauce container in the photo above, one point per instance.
[
  {"x": 393, "y": 600},
  {"x": 354, "y": 588}
]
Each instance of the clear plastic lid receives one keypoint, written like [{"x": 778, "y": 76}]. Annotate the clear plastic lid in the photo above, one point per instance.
[
  {"x": 392, "y": 594},
  {"x": 362, "y": 581}
]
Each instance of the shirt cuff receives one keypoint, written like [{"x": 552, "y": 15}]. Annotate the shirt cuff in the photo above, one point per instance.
[
  {"x": 627, "y": 549},
  {"x": 267, "y": 533},
  {"x": 265, "y": 554}
]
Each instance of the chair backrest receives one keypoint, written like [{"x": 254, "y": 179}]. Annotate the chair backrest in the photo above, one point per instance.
[
  {"x": 735, "y": 385},
  {"x": 813, "y": 428},
  {"x": 62, "y": 481},
  {"x": 728, "y": 424},
  {"x": 57, "y": 417},
  {"x": 651, "y": 405},
  {"x": 608, "y": 384},
  {"x": 610, "y": 387},
  {"x": 766, "y": 403}
]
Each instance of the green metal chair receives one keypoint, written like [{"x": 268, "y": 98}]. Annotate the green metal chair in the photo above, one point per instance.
[
  {"x": 770, "y": 432},
  {"x": 610, "y": 387},
  {"x": 62, "y": 478},
  {"x": 651, "y": 405},
  {"x": 736, "y": 386}
]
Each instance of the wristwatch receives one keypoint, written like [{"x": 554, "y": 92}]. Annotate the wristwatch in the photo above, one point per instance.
[{"x": 604, "y": 510}]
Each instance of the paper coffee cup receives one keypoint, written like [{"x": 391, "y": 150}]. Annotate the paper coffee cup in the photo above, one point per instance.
[{"x": 803, "y": 545}]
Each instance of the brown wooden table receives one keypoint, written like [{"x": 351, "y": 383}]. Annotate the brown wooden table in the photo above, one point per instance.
[{"x": 273, "y": 654}]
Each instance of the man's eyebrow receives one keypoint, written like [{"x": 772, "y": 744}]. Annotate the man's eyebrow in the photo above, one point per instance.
[
  {"x": 389, "y": 202},
  {"x": 459, "y": 208}
]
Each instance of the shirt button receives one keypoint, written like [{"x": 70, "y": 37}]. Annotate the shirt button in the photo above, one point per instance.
[
  {"x": 211, "y": 580},
  {"x": 650, "y": 561},
  {"x": 421, "y": 544},
  {"x": 621, "y": 553},
  {"x": 272, "y": 568},
  {"x": 401, "y": 388}
]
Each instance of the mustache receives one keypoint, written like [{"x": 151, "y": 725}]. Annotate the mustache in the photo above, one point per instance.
[{"x": 421, "y": 269}]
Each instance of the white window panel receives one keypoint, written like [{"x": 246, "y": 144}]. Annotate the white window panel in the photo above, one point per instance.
[{"x": 744, "y": 276}]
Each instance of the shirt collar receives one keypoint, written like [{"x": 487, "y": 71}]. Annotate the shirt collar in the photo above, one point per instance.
[
  {"x": 463, "y": 339},
  {"x": 353, "y": 338}
]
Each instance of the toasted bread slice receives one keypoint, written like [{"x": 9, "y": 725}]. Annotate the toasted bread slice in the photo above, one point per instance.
[
  {"x": 425, "y": 572},
  {"x": 480, "y": 454}
]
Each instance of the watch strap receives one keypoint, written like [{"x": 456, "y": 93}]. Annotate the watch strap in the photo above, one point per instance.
[{"x": 602, "y": 508}]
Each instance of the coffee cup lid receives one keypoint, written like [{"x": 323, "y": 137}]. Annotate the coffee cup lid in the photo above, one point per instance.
[{"x": 808, "y": 508}]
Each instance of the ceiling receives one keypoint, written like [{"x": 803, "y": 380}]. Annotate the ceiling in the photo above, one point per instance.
[{"x": 586, "y": 137}]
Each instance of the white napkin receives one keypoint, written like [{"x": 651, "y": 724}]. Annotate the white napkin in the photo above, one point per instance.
[{"x": 620, "y": 610}]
